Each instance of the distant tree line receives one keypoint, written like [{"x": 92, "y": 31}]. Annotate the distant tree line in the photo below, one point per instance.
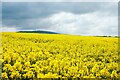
[{"x": 109, "y": 36}]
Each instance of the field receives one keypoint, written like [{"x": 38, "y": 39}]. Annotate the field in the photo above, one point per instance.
[{"x": 31, "y": 56}]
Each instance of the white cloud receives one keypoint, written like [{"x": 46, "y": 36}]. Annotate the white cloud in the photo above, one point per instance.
[
  {"x": 95, "y": 23},
  {"x": 86, "y": 24},
  {"x": 8, "y": 29}
]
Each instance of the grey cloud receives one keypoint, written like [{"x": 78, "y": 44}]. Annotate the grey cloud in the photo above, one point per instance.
[
  {"x": 27, "y": 10},
  {"x": 0, "y": 14},
  {"x": 26, "y": 15},
  {"x": 59, "y": 0}
]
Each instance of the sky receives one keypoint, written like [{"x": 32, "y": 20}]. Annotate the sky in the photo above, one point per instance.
[
  {"x": 80, "y": 18},
  {"x": 59, "y": 0}
]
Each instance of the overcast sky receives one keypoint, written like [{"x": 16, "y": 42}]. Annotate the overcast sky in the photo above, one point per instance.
[
  {"x": 59, "y": 0},
  {"x": 82, "y": 18}
]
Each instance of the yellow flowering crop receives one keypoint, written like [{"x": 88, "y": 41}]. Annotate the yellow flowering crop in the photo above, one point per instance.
[{"x": 35, "y": 56}]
